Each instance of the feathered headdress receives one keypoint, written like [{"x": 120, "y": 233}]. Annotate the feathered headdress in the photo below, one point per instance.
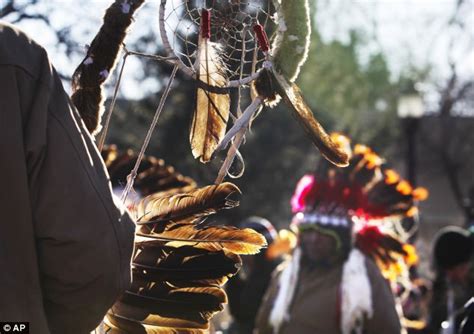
[
  {"x": 368, "y": 197},
  {"x": 180, "y": 262}
]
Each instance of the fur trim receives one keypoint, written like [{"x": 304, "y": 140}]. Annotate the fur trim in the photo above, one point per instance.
[
  {"x": 89, "y": 77},
  {"x": 286, "y": 291},
  {"x": 356, "y": 293}
]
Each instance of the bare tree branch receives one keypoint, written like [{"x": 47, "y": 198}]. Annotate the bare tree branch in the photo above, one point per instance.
[
  {"x": 7, "y": 9},
  {"x": 25, "y": 16}
]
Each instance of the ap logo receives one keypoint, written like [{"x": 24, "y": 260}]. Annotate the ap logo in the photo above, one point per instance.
[{"x": 14, "y": 327}]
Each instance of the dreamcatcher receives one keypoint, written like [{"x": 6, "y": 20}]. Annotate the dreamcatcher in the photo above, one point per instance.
[{"x": 224, "y": 46}]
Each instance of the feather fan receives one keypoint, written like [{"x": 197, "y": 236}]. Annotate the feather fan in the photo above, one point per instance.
[{"x": 180, "y": 263}]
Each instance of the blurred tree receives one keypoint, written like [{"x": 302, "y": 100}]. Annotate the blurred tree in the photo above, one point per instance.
[
  {"x": 21, "y": 10},
  {"x": 448, "y": 138},
  {"x": 447, "y": 135},
  {"x": 357, "y": 99}
]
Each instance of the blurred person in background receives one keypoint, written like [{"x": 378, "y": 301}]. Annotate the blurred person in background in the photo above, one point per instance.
[
  {"x": 454, "y": 283},
  {"x": 309, "y": 288},
  {"x": 245, "y": 290},
  {"x": 332, "y": 282}
]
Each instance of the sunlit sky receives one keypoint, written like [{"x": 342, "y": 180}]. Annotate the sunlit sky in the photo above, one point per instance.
[{"x": 408, "y": 31}]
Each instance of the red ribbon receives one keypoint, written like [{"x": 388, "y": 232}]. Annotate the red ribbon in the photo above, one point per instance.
[
  {"x": 261, "y": 37},
  {"x": 205, "y": 24}
]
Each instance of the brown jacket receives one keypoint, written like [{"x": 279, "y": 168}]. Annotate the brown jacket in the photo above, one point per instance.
[
  {"x": 314, "y": 309},
  {"x": 65, "y": 248}
]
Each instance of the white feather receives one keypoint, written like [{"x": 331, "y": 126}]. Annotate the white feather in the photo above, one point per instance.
[
  {"x": 212, "y": 109},
  {"x": 356, "y": 293},
  {"x": 286, "y": 291}
]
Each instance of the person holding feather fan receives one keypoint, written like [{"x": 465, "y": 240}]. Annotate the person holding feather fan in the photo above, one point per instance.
[
  {"x": 346, "y": 220},
  {"x": 65, "y": 246}
]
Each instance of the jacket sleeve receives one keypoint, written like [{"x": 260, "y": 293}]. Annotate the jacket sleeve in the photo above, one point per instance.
[
  {"x": 65, "y": 243},
  {"x": 385, "y": 318},
  {"x": 438, "y": 311},
  {"x": 20, "y": 288}
]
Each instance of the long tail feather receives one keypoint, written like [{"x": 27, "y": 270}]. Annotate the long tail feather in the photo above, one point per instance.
[
  {"x": 173, "y": 299},
  {"x": 328, "y": 148}
]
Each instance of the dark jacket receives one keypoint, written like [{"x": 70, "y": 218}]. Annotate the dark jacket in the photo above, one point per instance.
[
  {"x": 245, "y": 294},
  {"x": 439, "y": 300},
  {"x": 65, "y": 248}
]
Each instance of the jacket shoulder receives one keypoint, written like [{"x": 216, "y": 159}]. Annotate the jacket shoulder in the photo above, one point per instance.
[{"x": 19, "y": 50}]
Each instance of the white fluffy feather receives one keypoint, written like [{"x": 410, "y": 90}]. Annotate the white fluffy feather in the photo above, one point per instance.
[
  {"x": 356, "y": 293},
  {"x": 212, "y": 109},
  {"x": 286, "y": 291}
]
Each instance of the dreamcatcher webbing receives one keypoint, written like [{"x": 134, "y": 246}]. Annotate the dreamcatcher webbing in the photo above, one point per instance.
[{"x": 231, "y": 27}]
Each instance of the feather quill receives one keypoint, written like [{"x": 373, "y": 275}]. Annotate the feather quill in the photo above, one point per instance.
[{"x": 212, "y": 108}]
